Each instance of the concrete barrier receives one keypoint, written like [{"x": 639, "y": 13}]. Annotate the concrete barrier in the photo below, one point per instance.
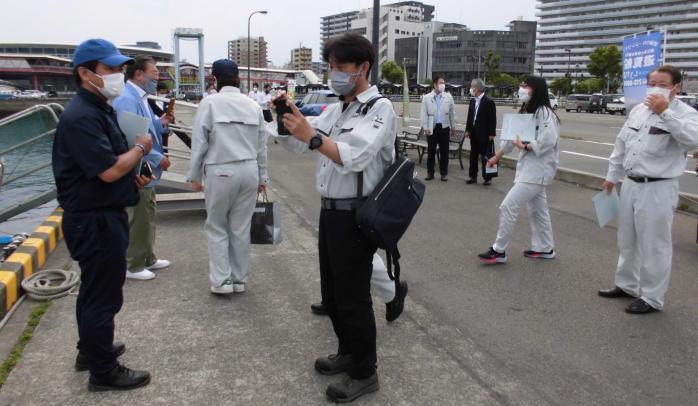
[{"x": 29, "y": 257}]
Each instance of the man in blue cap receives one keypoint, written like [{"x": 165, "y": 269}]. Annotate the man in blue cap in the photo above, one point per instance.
[
  {"x": 229, "y": 140},
  {"x": 93, "y": 166}
]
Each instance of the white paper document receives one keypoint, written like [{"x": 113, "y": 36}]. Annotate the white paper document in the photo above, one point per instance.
[
  {"x": 132, "y": 125},
  {"x": 515, "y": 125},
  {"x": 492, "y": 169},
  {"x": 607, "y": 206}
]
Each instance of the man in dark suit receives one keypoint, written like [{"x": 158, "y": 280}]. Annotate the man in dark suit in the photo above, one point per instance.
[{"x": 481, "y": 128}]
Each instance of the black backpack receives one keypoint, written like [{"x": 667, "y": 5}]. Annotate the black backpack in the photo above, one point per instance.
[{"x": 387, "y": 212}]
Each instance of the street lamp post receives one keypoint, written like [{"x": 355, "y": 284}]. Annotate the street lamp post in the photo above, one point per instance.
[
  {"x": 569, "y": 58},
  {"x": 249, "y": 47}
]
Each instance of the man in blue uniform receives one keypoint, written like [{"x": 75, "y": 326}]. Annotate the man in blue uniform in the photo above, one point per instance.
[{"x": 95, "y": 180}]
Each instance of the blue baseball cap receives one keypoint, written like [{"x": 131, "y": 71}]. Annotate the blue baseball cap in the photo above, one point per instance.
[
  {"x": 100, "y": 50},
  {"x": 224, "y": 67}
]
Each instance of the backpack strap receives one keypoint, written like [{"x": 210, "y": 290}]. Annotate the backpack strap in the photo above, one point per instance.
[{"x": 364, "y": 109}]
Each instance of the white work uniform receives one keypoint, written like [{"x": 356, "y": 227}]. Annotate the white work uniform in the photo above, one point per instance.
[
  {"x": 229, "y": 152},
  {"x": 535, "y": 170},
  {"x": 656, "y": 146},
  {"x": 254, "y": 95},
  {"x": 344, "y": 182},
  {"x": 263, "y": 99},
  {"x": 428, "y": 113}
]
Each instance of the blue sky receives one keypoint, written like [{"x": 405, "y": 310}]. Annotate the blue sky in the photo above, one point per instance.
[{"x": 288, "y": 24}]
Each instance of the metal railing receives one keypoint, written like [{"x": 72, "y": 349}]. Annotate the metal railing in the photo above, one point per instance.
[{"x": 53, "y": 111}]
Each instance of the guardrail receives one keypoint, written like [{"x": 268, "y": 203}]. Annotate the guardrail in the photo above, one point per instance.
[{"x": 53, "y": 110}]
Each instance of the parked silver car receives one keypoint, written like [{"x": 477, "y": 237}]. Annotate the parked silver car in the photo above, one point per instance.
[{"x": 577, "y": 102}]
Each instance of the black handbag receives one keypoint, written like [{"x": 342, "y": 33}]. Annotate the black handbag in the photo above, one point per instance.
[{"x": 266, "y": 222}]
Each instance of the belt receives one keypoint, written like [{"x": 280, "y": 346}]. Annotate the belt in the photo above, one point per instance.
[
  {"x": 644, "y": 179},
  {"x": 341, "y": 204}
]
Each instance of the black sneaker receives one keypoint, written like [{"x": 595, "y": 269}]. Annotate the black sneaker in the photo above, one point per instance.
[
  {"x": 537, "y": 254},
  {"x": 429, "y": 177},
  {"x": 394, "y": 309},
  {"x": 319, "y": 309},
  {"x": 350, "y": 389},
  {"x": 493, "y": 257},
  {"x": 81, "y": 359},
  {"x": 119, "y": 378},
  {"x": 333, "y": 364}
]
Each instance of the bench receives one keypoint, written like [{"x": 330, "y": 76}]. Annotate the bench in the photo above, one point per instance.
[{"x": 413, "y": 137}]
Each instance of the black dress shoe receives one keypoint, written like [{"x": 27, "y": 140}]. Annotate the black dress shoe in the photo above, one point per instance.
[
  {"x": 333, "y": 364},
  {"x": 444, "y": 179},
  {"x": 487, "y": 182},
  {"x": 614, "y": 292},
  {"x": 319, "y": 309},
  {"x": 81, "y": 359},
  {"x": 470, "y": 181},
  {"x": 394, "y": 309},
  {"x": 429, "y": 177},
  {"x": 119, "y": 378},
  {"x": 350, "y": 389},
  {"x": 639, "y": 306}
]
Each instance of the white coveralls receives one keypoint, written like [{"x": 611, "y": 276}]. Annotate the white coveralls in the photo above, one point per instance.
[
  {"x": 655, "y": 146},
  {"x": 534, "y": 171},
  {"x": 229, "y": 152}
]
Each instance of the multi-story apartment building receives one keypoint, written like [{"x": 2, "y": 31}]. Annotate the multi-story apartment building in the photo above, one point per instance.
[
  {"x": 237, "y": 51},
  {"x": 569, "y": 30},
  {"x": 302, "y": 58}
]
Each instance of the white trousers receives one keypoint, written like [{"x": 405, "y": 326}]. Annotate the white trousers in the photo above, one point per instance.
[
  {"x": 384, "y": 287},
  {"x": 644, "y": 238},
  {"x": 534, "y": 197},
  {"x": 231, "y": 192}
]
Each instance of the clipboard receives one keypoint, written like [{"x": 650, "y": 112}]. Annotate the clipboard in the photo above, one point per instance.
[
  {"x": 516, "y": 125},
  {"x": 132, "y": 125}
]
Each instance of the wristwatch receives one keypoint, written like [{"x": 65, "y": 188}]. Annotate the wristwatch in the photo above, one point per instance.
[{"x": 315, "y": 142}]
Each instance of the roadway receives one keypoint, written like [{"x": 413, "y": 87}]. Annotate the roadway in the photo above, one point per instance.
[{"x": 587, "y": 141}]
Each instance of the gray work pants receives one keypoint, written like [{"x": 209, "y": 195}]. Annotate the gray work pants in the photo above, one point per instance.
[{"x": 231, "y": 193}]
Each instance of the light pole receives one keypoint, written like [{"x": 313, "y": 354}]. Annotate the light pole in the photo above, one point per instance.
[
  {"x": 479, "y": 50},
  {"x": 249, "y": 48},
  {"x": 569, "y": 58}
]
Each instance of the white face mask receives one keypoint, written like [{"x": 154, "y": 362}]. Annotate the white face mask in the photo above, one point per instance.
[
  {"x": 472, "y": 92},
  {"x": 523, "y": 95},
  {"x": 113, "y": 85},
  {"x": 442, "y": 88},
  {"x": 660, "y": 91}
]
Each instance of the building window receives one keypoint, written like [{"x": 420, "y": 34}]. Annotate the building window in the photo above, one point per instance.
[
  {"x": 397, "y": 18},
  {"x": 397, "y": 31}
]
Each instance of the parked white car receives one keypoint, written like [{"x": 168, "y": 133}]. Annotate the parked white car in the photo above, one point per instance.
[
  {"x": 31, "y": 94},
  {"x": 616, "y": 104},
  {"x": 553, "y": 101}
]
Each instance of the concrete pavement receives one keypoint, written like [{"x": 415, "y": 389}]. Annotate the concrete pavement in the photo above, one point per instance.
[{"x": 526, "y": 333}]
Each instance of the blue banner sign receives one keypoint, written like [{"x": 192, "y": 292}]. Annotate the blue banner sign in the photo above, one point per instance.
[{"x": 641, "y": 55}]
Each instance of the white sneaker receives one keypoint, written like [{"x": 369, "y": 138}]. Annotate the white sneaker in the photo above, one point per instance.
[
  {"x": 159, "y": 264},
  {"x": 225, "y": 288},
  {"x": 238, "y": 287},
  {"x": 143, "y": 275}
]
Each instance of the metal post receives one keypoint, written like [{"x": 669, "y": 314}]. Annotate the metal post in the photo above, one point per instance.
[
  {"x": 666, "y": 34},
  {"x": 376, "y": 15},
  {"x": 249, "y": 48},
  {"x": 202, "y": 67},
  {"x": 177, "y": 77}
]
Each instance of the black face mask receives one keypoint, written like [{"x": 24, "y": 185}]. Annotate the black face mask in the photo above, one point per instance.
[{"x": 266, "y": 91}]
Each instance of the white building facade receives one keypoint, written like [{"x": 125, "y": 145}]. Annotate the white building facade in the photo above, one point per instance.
[{"x": 570, "y": 30}]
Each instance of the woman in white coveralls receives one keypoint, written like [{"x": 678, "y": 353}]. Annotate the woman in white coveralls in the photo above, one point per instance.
[{"x": 536, "y": 167}]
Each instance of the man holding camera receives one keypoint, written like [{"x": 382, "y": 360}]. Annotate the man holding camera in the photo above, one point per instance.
[
  {"x": 352, "y": 137},
  {"x": 95, "y": 180}
]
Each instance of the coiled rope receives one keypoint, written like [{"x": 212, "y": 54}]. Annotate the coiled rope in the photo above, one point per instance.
[{"x": 51, "y": 284}]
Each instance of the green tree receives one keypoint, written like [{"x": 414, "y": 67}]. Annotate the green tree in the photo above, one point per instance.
[
  {"x": 605, "y": 63},
  {"x": 392, "y": 72},
  {"x": 492, "y": 61},
  {"x": 561, "y": 85},
  {"x": 593, "y": 85},
  {"x": 505, "y": 83}
]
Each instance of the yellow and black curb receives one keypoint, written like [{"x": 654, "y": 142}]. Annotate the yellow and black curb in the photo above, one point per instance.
[{"x": 27, "y": 259}]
